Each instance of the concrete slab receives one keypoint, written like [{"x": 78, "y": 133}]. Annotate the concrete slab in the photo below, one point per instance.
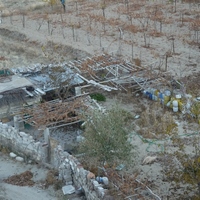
[
  {"x": 14, "y": 83},
  {"x": 68, "y": 189}
]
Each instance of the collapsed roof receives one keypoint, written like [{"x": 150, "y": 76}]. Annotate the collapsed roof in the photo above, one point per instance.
[
  {"x": 105, "y": 72},
  {"x": 12, "y": 88},
  {"x": 13, "y": 82},
  {"x": 49, "y": 77}
]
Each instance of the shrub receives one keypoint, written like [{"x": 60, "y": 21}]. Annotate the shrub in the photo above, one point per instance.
[{"x": 98, "y": 97}]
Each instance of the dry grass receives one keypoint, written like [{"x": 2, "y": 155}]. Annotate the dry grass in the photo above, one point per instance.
[
  {"x": 4, "y": 150},
  {"x": 193, "y": 85},
  {"x": 191, "y": 1},
  {"x": 52, "y": 179},
  {"x": 156, "y": 122},
  {"x": 137, "y": 62},
  {"x": 155, "y": 33},
  {"x": 23, "y": 179}
]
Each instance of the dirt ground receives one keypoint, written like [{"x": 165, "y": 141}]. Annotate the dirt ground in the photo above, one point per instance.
[
  {"x": 19, "y": 180},
  {"x": 32, "y": 32},
  {"x": 8, "y": 191}
]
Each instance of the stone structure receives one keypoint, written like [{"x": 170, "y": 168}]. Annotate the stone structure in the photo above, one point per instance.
[
  {"x": 66, "y": 162},
  {"x": 70, "y": 170},
  {"x": 14, "y": 92},
  {"x": 21, "y": 143}
]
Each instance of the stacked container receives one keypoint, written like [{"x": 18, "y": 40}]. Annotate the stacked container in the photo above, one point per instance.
[
  {"x": 175, "y": 105},
  {"x": 167, "y": 97}
]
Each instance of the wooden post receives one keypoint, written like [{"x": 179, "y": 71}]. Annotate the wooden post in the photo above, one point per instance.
[
  {"x": 23, "y": 20},
  {"x": 166, "y": 60},
  {"x": 47, "y": 146}
]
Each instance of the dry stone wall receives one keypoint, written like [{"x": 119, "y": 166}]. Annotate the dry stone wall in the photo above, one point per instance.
[
  {"x": 70, "y": 170},
  {"x": 21, "y": 143},
  {"x": 64, "y": 161}
]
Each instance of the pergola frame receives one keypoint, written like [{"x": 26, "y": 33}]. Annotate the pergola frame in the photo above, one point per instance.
[{"x": 118, "y": 73}]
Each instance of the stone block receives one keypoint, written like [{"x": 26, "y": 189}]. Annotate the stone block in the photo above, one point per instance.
[
  {"x": 4, "y": 126},
  {"x": 22, "y": 134},
  {"x": 67, "y": 171},
  {"x": 92, "y": 196},
  {"x": 66, "y": 160},
  {"x": 9, "y": 130},
  {"x": 39, "y": 157},
  {"x": 15, "y": 132},
  {"x": 13, "y": 155},
  {"x": 100, "y": 192},
  {"x": 67, "y": 177},
  {"x": 37, "y": 145},
  {"x": 95, "y": 185},
  {"x": 31, "y": 138},
  {"x": 19, "y": 125},
  {"x": 83, "y": 173},
  {"x": 68, "y": 183},
  {"x": 20, "y": 159},
  {"x": 62, "y": 166},
  {"x": 68, "y": 189}
]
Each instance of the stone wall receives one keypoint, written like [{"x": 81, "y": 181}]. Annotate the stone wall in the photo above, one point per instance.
[
  {"x": 21, "y": 143},
  {"x": 70, "y": 170},
  {"x": 80, "y": 177}
]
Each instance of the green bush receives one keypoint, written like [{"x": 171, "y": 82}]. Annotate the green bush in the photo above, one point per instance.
[{"x": 98, "y": 97}]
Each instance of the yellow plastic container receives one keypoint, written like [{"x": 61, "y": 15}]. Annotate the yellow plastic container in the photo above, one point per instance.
[
  {"x": 180, "y": 105},
  {"x": 172, "y": 99},
  {"x": 156, "y": 93},
  {"x": 195, "y": 109},
  {"x": 166, "y": 99}
]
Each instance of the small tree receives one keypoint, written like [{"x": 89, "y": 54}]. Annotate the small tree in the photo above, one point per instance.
[
  {"x": 106, "y": 137},
  {"x": 61, "y": 80}
]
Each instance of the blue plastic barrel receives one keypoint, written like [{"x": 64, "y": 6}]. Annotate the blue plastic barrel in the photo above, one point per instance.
[{"x": 161, "y": 96}]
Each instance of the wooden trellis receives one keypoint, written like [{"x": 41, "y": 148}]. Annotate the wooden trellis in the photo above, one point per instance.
[
  {"x": 106, "y": 70},
  {"x": 53, "y": 113}
]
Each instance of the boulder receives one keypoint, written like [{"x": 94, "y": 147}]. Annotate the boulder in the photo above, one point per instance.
[{"x": 13, "y": 155}]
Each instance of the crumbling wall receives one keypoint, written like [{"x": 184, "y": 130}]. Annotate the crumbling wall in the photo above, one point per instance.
[
  {"x": 79, "y": 176},
  {"x": 70, "y": 170},
  {"x": 20, "y": 142}
]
